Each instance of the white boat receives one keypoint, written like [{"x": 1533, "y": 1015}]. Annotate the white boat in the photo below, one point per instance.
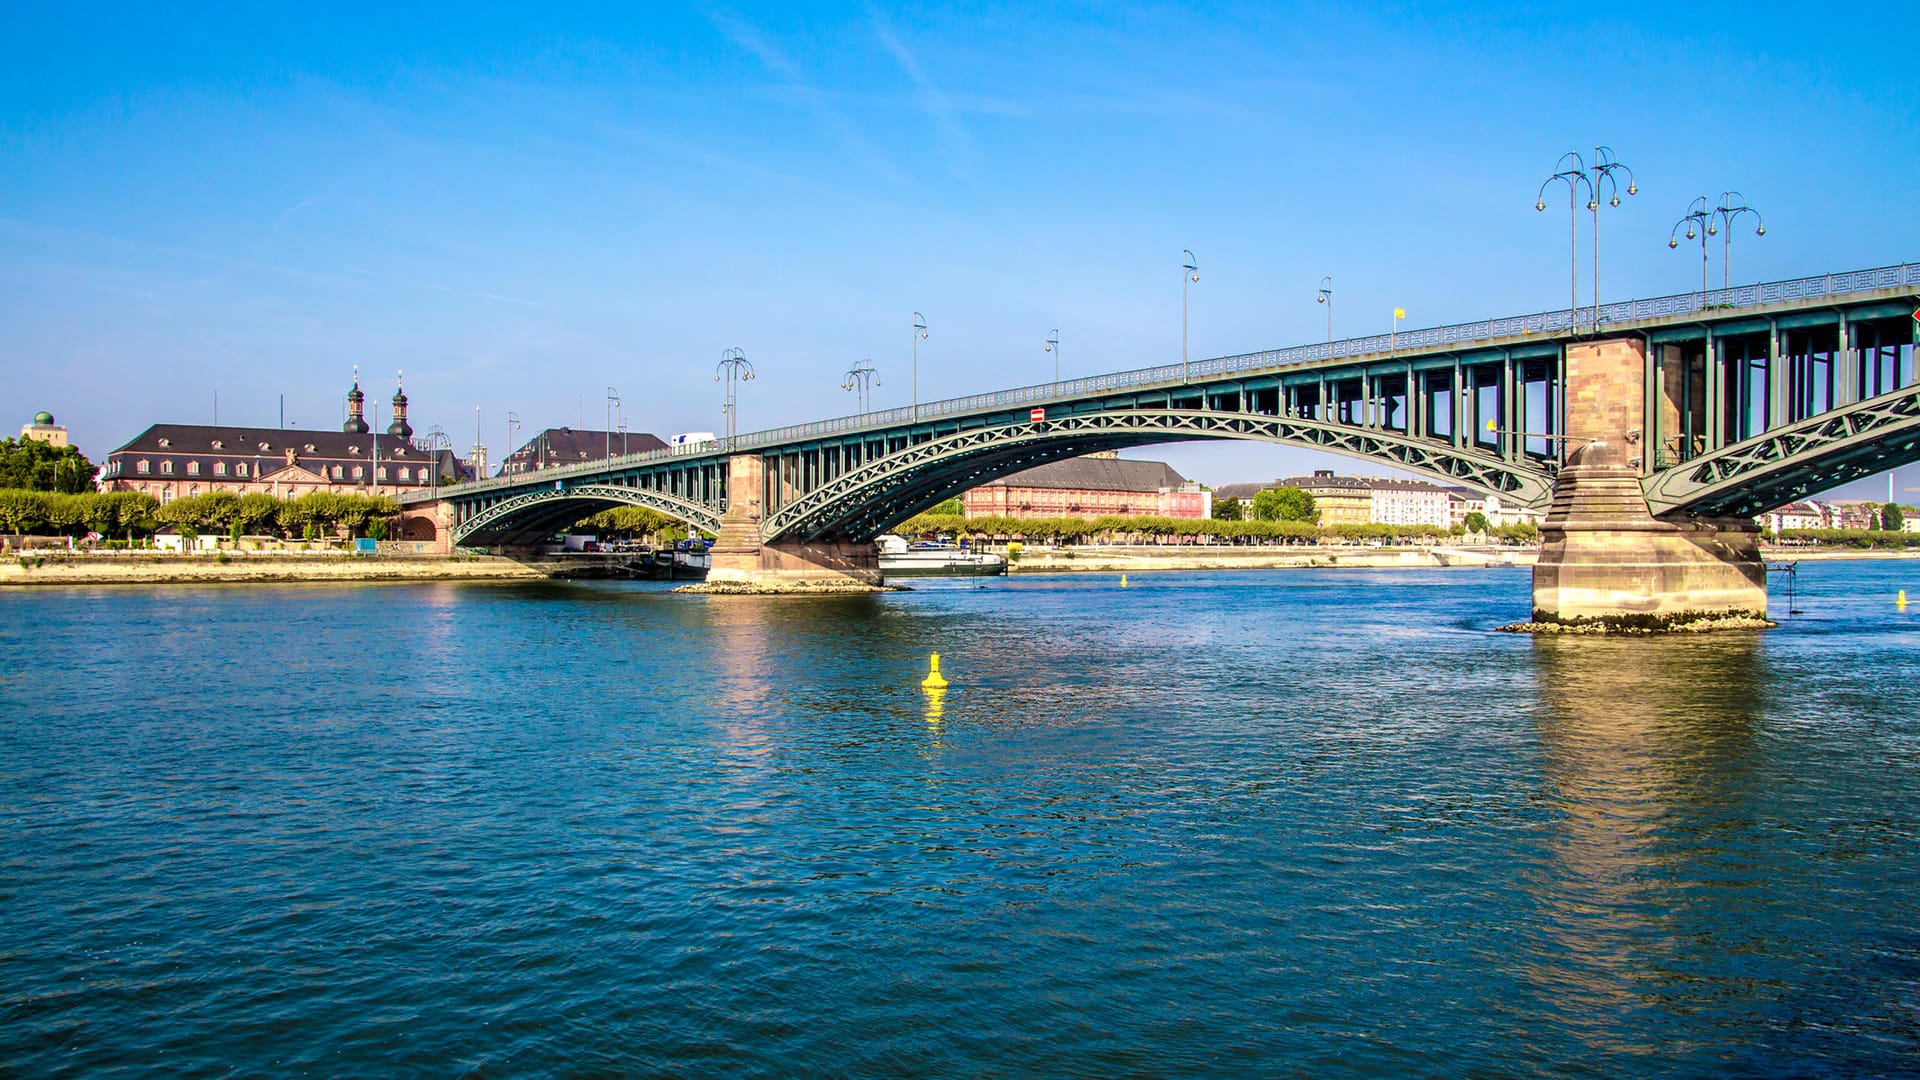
[{"x": 898, "y": 558}]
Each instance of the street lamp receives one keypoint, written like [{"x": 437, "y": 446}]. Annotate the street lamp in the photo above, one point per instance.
[
  {"x": 1575, "y": 178},
  {"x": 734, "y": 369},
  {"x": 860, "y": 380},
  {"x": 1326, "y": 297},
  {"x": 613, "y": 399},
  {"x": 1189, "y": 274},
  {"x": 513, "y": 425},
  {"x": 919, "y": 333},
  {"x": 1601, "y": 178},
  {"x": 436, "y": 438},
  {"x": 1732, "y": 205},
  {"x": 1699, "y": 222},
  {"x": 1053, "y": 346}
]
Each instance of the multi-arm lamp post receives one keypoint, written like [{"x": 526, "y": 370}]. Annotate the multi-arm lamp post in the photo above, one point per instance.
[
  {"x": 733, "y": 369},
  {"x": 860, "y": 380},
  {"x": 513, "y": 425},
  {"x": 1053, "y": 346},
  {"x": 1575, "y": 177},
  {"x": 1699, "y": 222},
  {"x": 1601, "y": 177},
  {"x": 1732, "y": 205},
  {"x": 919, "y": 334},
  {"x": 1189, "y": 274}
]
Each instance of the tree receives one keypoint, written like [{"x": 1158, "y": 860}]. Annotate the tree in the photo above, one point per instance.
[
  {"x": 1229, "y": 510},
  {"x": 1476, "y": 522},
  {"x": 32, "y": 465},
  {"x": 1284, "y": 504},
  {"x": 950, "y": 508},
  {"x": 1892, "y": 518}
]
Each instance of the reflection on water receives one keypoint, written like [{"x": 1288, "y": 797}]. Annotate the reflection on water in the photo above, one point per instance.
[
  {"x": 1314, "y": 823},
  {"x": 1644, "y": 745}
]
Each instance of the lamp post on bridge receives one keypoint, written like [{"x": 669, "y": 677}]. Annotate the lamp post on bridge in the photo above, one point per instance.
[
  {"x": 1053, "y": 346},
  {"x": 860, "y": 380},
  {"x": 613, "y": 400},
  {"x": 513, "y": 425},
  {"x": 1189, "y": 274},
  {"x": 1600, "y": 176},
  {"x": 1575, "y": 178},
  {"x": 733, "y": 369},
  {"x": 1699, "y": 222},
  {"x": 919, "y": 334},
  {"x": 1732, "y": 205},
  {"x": 1326, "y": 297}
]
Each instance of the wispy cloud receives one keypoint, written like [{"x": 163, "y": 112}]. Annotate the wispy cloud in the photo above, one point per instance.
[
  {"x": 804, "y": 89},
  {"x": 932, "y": 100}
]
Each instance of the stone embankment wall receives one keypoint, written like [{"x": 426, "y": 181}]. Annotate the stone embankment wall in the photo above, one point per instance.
[{"x": 144, "y": 568}]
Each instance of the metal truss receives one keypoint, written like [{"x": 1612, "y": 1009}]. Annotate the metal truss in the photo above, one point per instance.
[
  {"x": 495, "y": 519},
  {"x": 1791, "y": 462},
  {"x": 982, "y": 454}
]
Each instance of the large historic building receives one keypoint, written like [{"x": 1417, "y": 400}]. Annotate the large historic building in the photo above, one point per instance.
[
  {"x": 559, "y": 446},
  {"x": 171, "y": 461},
  {"x": 1091, "y": 486}
]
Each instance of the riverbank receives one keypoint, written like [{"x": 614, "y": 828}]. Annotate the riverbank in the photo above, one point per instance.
[
  {"x": 1149, "y": 558},
  {"x": 31, "y": 570}
]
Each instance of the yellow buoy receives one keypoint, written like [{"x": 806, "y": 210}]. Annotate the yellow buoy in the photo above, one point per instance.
[
  {"x": 1901, "y": 600},
  {"x": 934, "y": 680},
  {"x": 1123, "y": 581}
]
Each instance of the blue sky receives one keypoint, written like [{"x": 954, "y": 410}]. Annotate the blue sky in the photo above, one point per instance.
[{"x": 522, "y": 207}]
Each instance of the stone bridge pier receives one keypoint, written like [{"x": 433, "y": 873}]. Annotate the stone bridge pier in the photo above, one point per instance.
[
  {"x": 741, "y": 558},
  {"x": 1605, "y": 556}
]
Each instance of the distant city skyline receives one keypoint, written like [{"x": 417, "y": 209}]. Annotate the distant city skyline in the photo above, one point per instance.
[{"x": 524, "y": 210}]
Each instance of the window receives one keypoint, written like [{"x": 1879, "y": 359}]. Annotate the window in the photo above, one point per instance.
[
  {"x": 337, "y": 473},
  {"x": 166, "y": 442},
  {"x": 240, "y": 469},
  {"x": 143, "y": 467},
  {"x": 381, "y": 472},
  {"x": 218, "y": 445},
  {"x": 219, "y": 468},
  {"x": 193, "y": 468},
  {"x": 358, "y": 472},
  {"x": 166, "y": 468},
  {"x": 405, "y": 475}
]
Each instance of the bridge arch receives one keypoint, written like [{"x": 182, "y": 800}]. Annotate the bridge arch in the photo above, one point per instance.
[
  {"x": 866, "y": 501},
  {"x": 532, "y": 516}
]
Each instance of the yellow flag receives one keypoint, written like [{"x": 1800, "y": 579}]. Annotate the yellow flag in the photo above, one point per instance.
[{"x": 1399, "y": 313}]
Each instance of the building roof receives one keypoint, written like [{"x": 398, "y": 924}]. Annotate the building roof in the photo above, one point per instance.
[
  {"x": 1343, "y": 484},
  {"x": 1096, "y": 474},
  {"x": 270, "y": 446},
  {"x": 571, "y": 446}
]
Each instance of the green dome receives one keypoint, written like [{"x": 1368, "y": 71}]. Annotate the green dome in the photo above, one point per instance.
[{"x": 43, "y": 417}]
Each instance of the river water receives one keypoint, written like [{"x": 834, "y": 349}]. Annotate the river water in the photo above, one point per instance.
[{"x": 1258, "y": 823}]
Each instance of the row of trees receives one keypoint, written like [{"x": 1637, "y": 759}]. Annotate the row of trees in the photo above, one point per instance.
[
  {"x": 1144, "y": 529},
  {"x": 1857, "y": 538},
  {"x": 1273, "y": 504},
  {"x": 131, "y": 514}
]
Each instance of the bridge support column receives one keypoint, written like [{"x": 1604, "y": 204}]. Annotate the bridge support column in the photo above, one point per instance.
[
  {"x": 742, "y": 562},
  {"x": 1606, "y": 558}
]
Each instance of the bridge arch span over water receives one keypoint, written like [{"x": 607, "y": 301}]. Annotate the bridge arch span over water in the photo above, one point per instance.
[{"x": 866, "y": 501}]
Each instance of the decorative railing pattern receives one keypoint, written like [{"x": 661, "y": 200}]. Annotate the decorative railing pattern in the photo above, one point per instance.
[{"x": 1549, "y": 322}]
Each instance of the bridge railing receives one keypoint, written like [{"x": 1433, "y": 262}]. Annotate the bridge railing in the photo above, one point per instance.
[{"x": 1561, "y": 321}]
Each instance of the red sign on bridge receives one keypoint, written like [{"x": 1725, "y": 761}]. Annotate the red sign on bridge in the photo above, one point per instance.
[{"x": 1037, "y": 415}]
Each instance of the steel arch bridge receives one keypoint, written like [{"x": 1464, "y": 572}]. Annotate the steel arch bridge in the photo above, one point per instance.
[
  {"x": 532, "y": 516},
  {"x": 1754, "y": 396}
]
